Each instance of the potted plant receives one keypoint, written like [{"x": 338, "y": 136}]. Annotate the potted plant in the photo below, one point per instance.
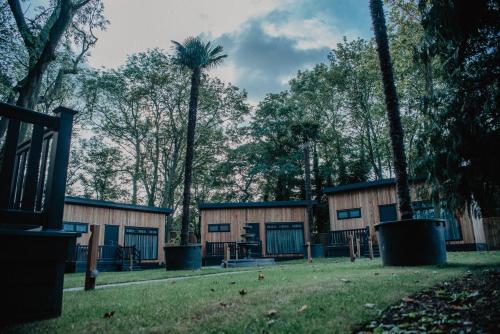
[
  {"x": 407, "y": 241},
  {"x": 195, "y": 55}
]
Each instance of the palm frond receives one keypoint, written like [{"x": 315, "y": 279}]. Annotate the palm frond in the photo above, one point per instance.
[{"x": 194, "y": 53}]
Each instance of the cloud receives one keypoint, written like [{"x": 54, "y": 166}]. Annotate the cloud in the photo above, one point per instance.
[
  {"x": 267, "y": 41},
  {"x": 267, "y": 51}
]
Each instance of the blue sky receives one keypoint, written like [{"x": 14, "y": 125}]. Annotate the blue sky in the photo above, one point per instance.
[{"x": 267, "y": 41}]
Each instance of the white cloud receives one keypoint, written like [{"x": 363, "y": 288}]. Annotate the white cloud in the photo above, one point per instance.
[{"x": 140, "y": 25}]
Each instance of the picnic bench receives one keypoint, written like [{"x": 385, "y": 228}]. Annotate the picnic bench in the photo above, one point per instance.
[{"x": 34, "y": 154}]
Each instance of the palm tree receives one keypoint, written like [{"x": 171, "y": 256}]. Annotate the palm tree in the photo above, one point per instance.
[
  {"x": 392, "y": 106},
  {"x": 196, "y": 55},
  {"x": 308, "y": 132}
]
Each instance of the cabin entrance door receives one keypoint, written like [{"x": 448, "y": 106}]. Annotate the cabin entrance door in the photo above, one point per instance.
[
  {"x": 388, "y": 212},
  {"x": 111, "y": 235}
]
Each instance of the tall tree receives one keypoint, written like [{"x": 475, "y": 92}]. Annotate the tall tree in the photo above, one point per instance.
[
  {"x": 41, "y": 43},
  {"x": 392, "y": 106},
  {"x": 460, "y": 144},
  {"x": 195, "y": 55}
]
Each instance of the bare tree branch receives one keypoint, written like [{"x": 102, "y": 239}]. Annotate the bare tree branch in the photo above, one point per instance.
[{"x": 26, "y": 34}]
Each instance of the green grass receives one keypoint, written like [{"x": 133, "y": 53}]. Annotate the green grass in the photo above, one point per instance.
[
  {"x": 212, "y": 304},
  {"x": 78, "y": 279}
]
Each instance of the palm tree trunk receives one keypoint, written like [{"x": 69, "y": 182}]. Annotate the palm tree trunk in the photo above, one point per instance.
[
  {"x": 307, "y": 178},
  {"x": 188, "y": 168},
  {"x": 392, "y": 105}
]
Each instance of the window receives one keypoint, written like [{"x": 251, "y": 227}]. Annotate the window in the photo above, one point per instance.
[
  {"x": 425, "y": 210},
  {"x": 284, "y": 238},
  {"x": 145, "y": 239},
  {"x": 219, "y": 228},
  {"x": 349, "y": 213},
  {"x": 76, "y": 227}
]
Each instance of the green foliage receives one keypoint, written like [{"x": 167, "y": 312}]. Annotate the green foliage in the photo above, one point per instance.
[
  {"x": 194, "y": 53},
  {"x": 459, "y": 147}
]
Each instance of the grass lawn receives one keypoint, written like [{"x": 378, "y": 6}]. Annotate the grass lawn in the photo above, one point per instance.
[
  {"x": 305, "y": 298},
  {"x": 78, "y": 279}
]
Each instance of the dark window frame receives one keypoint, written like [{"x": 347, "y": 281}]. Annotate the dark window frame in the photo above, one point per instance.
[
  {"x": 149, "y": 231},
  {"x": 216, "y": 228},
  {"x": 75, "y": 224},
  {"x": 349, "y": 213}
]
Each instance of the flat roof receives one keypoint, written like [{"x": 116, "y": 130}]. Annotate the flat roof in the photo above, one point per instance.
[
  {"x": 359, "y": 186},
  {"x": 272, "y": 204},
  {"x": 115, "y": 205}
]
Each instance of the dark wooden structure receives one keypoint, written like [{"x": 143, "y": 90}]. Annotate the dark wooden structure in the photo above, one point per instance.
[
  {"x": 132, "y": 236},
  {"x": 280, "y": 226},
  {"x": 338, "y": 244},
  {"x": 360, "y": 206},
  {"x": 33, "y": 245}
]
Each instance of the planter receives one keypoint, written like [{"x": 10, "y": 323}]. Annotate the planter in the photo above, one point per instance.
[
  {"x": 412, "y": 242},
  {"x": 32, "y": 265},
  {"x": 317, "y": 250},
  {"x": 182, "y": 257}
]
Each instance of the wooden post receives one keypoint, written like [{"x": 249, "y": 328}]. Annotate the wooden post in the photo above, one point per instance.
[
  {"x": 226, "y": 252},
  {"x": 309, "y": 257},
  {"x": 237, "y": 250},
  {"x": 358, "y": 248},
  {"x": 351, "y": 248},
  {"x": 93, "y": 249},
  {"x": 130, "y": 262},
  {"x": 370, "y": 248}
]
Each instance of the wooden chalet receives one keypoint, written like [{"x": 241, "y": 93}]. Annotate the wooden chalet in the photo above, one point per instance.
[
  {"x": 280, "y": 226},
  {"x": 357, "y": 208},
  {"x": 132, "y": 236}
]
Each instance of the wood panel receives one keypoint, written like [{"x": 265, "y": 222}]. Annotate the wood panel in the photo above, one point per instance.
[
  {"x": 492, "y": 232},
  {"x": 238, "y": 217},
  {"x": 112, "y": 216},
  {"x": 370, "y": 199}
]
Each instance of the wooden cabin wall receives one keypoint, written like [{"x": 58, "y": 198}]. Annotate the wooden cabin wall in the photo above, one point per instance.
[
  {"x": 238, "y": 217},
  {"x": 112, "y": 216},
  {"x": 369, "y": 200},
  {"x": 492, "y": 232}
]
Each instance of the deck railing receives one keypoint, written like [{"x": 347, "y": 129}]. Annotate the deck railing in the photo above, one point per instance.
[
  {"x": 33, "y": 171},
  {"x": 216, "y": 250},
  {"x": 110, "y": 253}
]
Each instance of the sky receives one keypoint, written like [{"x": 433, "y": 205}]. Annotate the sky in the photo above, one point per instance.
[{"x": 267, "y": 41}]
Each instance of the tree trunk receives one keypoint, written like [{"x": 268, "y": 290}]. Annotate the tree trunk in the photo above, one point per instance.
[
  {"x": 392, "y": 105},
  {"x": 307, "y": 178},
  {"x": 30, "y": 85},
  {"x": 188, "y": 168}
]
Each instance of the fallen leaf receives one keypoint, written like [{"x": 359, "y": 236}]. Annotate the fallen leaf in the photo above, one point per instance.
[
  {"x": 243, "y": 292},
  {"x": 368, "y": 305},
  {"x": 345, "y": 280},
  {"x": 212, "y": 289},
  {"x": 233, "y": 282},
  {"x": 376, "y": 274},
  {"x": 223, "y": 304},
  {"x": 271, "y": 313},
  {"x": 474, "y": 294},
  {"x": 261, "y": 277},
  {"x": 108, "y": 315},
  {"x": 408, "y": 300},
  {"x": 270, "y": 322},
  {"x": 303, "y": 308}
]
